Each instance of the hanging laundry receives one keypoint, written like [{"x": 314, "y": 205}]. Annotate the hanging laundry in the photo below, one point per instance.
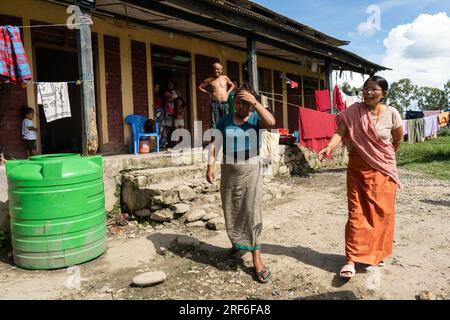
[
  {"x": 315, "y": 128},
  {"x": 292, "y": 83},
  {"x": 410, "y": 114},
  {"x": 431, "y": 113},
  {"x": 428, "y": 126},
  {"x": 416, "y": 130},
  {"x": 54, "y": 96},
  {"x": 339, "y": 104},
  {"x": 323, "y": 103},
  {"x": 443, "y": 119},
  {"x": 14, "y": 65},
  {"x": 405, "y": 127},
  {"x": 435, "y": 126},
  {"x": 265, "y": 101}
]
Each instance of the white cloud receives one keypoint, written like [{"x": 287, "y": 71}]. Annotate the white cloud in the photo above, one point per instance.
[
  {"x": 365, "y": 29},
  {"x": 419, "y": 51}
]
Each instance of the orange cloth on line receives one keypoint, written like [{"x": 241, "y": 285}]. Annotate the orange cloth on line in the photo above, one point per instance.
[
  {"x": 369, "y": 232},
  {"x": 443, "y": 119}
]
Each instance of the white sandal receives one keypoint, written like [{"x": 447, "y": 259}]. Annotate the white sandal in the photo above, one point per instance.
[
  {"x": 381, "y": 264},
  {"x": 347, "y": 268}
]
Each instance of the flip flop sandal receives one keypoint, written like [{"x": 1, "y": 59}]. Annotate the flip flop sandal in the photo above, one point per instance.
[
  {"x": 381, "y": 264},
  {"x": 264, "y": 275},
  {"x": 348, "y": 268}
]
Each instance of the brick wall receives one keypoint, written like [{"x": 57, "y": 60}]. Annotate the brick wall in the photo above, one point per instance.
[
  {"x": 12, "y": 97},
  {"x": 114, "y": 93},
  {"x": 139, "y": 70}
]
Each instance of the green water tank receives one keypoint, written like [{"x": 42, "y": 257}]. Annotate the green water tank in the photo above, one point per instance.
[{"x": 57, "y": 208}]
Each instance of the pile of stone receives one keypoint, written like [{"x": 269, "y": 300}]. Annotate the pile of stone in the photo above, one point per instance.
[{"x": 175, "y": 200}]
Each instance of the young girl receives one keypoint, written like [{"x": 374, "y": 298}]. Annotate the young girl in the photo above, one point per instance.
[
  {"x": 180, "y": 108},
  {"x": 29, "y": 131}
]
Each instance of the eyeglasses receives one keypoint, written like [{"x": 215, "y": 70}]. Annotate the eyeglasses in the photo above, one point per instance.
[{"x": 371, "y": 89}]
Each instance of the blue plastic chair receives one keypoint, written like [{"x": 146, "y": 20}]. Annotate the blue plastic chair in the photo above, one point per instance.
[{"x": 137, "y": 123}]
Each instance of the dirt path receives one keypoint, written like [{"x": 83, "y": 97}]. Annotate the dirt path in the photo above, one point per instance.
[{"x": 302, "y": 243}]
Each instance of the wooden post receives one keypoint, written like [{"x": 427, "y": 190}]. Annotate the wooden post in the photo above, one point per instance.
[
  {"x": 252, "y": 64},
  {"x": 329, "y": 83},
  {"x": 85, "y": 63}
]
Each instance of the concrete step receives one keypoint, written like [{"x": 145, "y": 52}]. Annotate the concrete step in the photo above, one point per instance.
[{"x": 149, "y": 177}]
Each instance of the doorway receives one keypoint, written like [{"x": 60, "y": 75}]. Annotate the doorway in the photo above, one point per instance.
[
  {"x": 174, "y": 65},
  {"x": 63, "y": 135}
]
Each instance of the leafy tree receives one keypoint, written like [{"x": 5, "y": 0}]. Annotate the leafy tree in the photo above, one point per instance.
[
  {"x": 447, "y": 91},
  {"x": 348, "y": 89},
  {"x": 432, "y": 98},
  {"x": 401, "y": 94}
]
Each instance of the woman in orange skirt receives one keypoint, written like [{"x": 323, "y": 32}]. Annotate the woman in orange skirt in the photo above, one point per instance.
[{"x": 372, "y": 132}]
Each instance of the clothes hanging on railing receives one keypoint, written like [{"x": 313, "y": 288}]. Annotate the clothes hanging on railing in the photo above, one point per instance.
[
  {"x": 443, "y": 119},
  {"x": 431, "y": 125},
  {"x": 339, "y": 103},
  {"x": 416, "y": 130},
  {"x": 54, "y": 96},
  {"x": 323, "y": 103},
  {"x": 315, "y": 128},
  {"x": 14, "y": 65}
]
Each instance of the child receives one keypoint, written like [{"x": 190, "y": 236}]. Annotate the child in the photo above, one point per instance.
[
  {"x": 29, "y": 131},
  {"x": 180, "y": 108}
]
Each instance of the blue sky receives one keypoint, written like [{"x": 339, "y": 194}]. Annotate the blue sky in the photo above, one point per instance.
[{"x": 340, "y": 19}]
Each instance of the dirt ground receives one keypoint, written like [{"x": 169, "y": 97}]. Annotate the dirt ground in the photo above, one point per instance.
[{"x": 303, "y": 244}]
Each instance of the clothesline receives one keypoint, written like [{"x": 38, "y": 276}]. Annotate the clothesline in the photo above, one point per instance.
[{"x": 52, "y": 25}]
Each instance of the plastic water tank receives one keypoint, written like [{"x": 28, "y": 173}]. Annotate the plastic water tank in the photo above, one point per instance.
[{"x": 57, "y": 208}]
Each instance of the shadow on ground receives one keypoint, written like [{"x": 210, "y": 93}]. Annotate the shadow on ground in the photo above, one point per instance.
[
  {"x": 222, "y": 258},
  {"x": 199, "y": 252}
]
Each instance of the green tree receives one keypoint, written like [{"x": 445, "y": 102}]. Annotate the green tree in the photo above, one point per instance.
[
  {"x": 348, "y": 89},
  {"x": 401, "y": 94},
  {"x": 447, "y": 91},
  {"x": 432, "y": 98}
]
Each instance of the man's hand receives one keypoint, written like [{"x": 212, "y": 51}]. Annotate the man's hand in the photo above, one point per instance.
[{"x": 211, "y": 174}]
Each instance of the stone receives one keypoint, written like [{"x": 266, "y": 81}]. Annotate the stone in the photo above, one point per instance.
[
  {"x": 156, "y": 207},
  {"x": 196, "y": 224},
  {"x": 195, "y": 215},
  {"x": 165, "y": 215},
  {"x": 120, "y": 220},
  {"x": 210, "y": 216},
  {"x": 170, "y": 197},
  {"x": 216, "y": 224},
  {"x": 143, "y": 213},
  {"x": 426, "y": 295},
  {"x": 283, "y": 170},
  {"x": 180, "y": 208},
  {"x": 185, "y": 193},
  {"x": 141, "y": 181},
  {"x": 158, "y": 200},
  {"x": 149, "y": 279}
]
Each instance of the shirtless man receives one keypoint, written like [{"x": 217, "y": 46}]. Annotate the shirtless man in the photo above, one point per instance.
[{"x": 219, "y": 87}]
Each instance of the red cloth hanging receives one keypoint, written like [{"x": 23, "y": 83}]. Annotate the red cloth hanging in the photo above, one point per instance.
[
  {"x": 323, "y": 103},
  {"x": 337, "y": 97},
  {"x": 315, "y": 128}
]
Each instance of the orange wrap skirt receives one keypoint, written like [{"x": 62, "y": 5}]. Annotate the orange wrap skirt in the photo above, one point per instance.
[{"x": 369, "y": 232}]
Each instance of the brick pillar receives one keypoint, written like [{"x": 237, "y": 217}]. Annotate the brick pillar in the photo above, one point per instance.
[
  {"x": 114, "y": 94},
  {"x": 139, "y": 73}
]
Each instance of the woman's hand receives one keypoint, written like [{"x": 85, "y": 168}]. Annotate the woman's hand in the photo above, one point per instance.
[
  {"x": 211, "y": 174},
  {"x": 246, "y": 96},
  {"x": 325, "y": 153}
]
